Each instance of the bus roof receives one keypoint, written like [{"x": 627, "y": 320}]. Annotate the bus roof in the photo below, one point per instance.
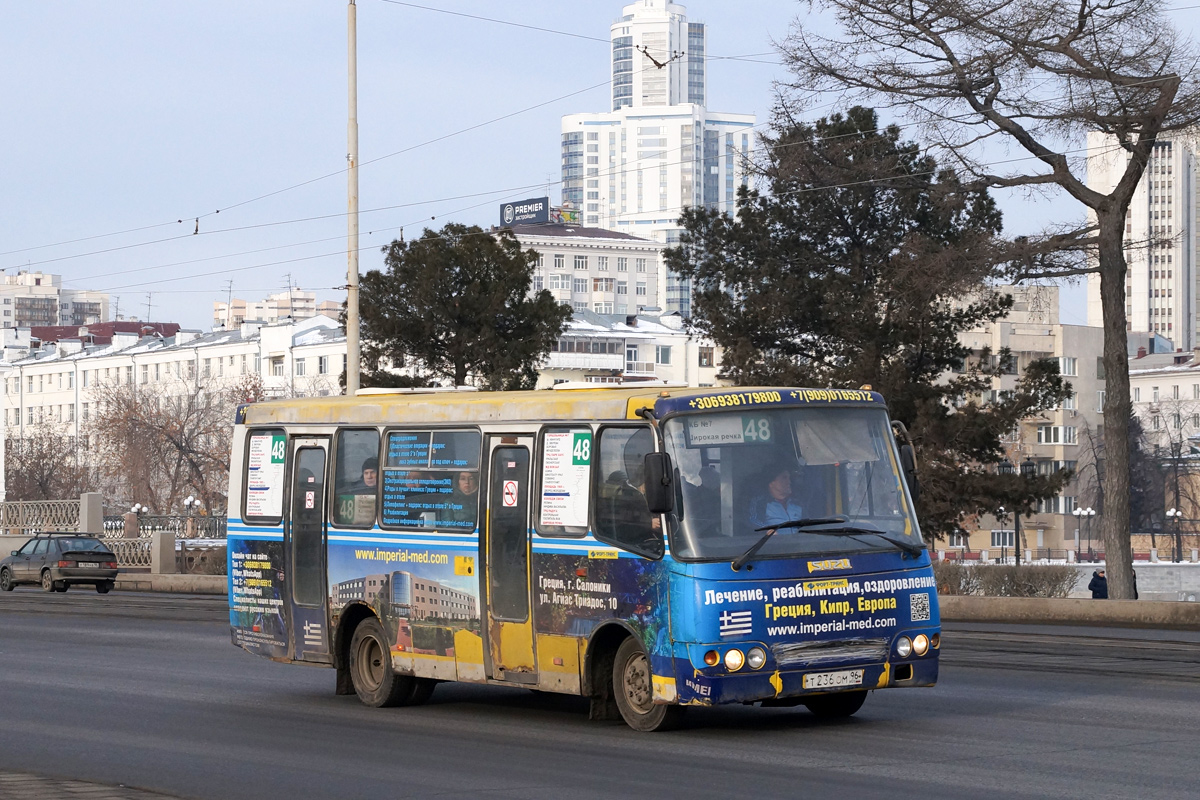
[{"x": 577, "y": 404}]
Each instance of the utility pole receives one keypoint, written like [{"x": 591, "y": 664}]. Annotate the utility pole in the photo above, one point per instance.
[{"x": 352, "y": 356}]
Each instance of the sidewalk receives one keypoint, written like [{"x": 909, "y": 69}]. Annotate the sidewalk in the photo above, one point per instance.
[
  {"x": 184, "y": 584},
  {"x": 22, "y": 786}
]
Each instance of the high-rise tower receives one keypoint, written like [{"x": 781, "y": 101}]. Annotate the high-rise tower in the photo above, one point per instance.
[
  {"x": 660, "y": 150},
  {"x": 1162, "y": 231}
]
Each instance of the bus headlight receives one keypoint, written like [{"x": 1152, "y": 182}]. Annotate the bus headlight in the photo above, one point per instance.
[
  {"x": 920, "y": 644},
  {"x": 734, "y": 660},
  {"x": 904, "y": 647},
  {"x": 756, "y": 658}
]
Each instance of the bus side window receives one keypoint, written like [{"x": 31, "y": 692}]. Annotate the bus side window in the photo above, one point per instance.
[
  {"x": 356, "y": 479},
  {"x": 622, "y": 517},
  {"x": 564, "y": 481},
  {"x": 263, "y": 476}
]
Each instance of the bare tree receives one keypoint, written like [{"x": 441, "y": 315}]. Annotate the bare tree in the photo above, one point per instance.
[
  {"x": 1041, "y": 74},
  {"x": 45, "y": 464},
  {"x": 158, "y": 443}
]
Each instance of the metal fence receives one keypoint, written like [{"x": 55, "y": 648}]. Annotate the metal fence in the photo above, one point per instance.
[
  {"x": 201, "y": 527},
  {"x": 130, "y": 552},
  {"x": 40, "y": 515}
]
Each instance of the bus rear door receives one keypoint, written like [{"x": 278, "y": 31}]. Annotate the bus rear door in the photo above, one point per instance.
[
  {"x": 304, "y": 551},
  {"x": 504, "y": 551}
]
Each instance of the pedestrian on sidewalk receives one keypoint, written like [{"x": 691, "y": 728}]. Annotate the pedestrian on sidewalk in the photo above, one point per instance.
[{"x": 1099, "y": 585}]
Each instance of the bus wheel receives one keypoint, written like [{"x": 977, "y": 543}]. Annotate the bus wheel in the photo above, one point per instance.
[
  {"x": 833, "y": 706},
  {"x": 422, "y": 689},
  {"x": 634, "y": 691},
  {"x": 375, "y": 683}
]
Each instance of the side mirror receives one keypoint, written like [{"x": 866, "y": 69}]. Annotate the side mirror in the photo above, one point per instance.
[
  {"x": 14, "y": 552},
  {"x": 660, "y": 490}
]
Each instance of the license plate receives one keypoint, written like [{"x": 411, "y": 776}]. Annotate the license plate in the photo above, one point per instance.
[
  {"x": 87, "y": 564},
  {"x": 831, "y": 680}
]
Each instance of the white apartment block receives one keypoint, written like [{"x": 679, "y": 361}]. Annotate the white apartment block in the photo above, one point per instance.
[
  {"x": 1162, "y": 232},
  {"x": 1165, "y": 390},
  {"x": 30, "y": 299},
  {"x": 56, "y": 383},
  {"x": 592, "y": 269},
  {"x": 660, "y": 150},
  {"x": 292, "y": 304},
  {"x": 598, "y": 348},
  {"x": 1057, "y": 438}
]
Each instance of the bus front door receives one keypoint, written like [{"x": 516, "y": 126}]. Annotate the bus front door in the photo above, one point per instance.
[
  {"x": 505, "y": 554},
  {"x": 304, "y": 543}
]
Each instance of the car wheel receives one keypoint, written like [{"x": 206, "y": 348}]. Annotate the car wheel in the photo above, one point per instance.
[
  {"x": 103, "y": 588},
  {"x": 375, "y": 682},
  {"x": 834, "y": 706},
  {"x": 48, "y": 582},
  {"x": 6, "y": 581},
  {"x": 634, "y": 691},
  {"x": 61, "y": 586}
]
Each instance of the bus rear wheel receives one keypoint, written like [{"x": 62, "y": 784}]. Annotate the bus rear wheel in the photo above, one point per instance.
[
  {"x": 634, "y": 691},
  {"x": 835, "y": 706},
  {"x": 375, "y": 682}
]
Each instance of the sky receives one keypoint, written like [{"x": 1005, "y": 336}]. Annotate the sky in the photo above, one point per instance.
[{"x": 160, "y": 150}]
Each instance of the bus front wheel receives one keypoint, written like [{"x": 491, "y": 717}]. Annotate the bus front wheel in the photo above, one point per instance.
[
  {"x": 833, "y": 706},
  {"x": 375, "y": 682},
  {"x": 634, "y": 691}
]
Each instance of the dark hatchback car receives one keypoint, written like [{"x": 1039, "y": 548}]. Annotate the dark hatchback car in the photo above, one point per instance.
[{"x": 58, "y": 561}]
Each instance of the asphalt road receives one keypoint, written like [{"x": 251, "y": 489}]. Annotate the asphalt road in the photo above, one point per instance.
[{"x": 146, "y": 691}]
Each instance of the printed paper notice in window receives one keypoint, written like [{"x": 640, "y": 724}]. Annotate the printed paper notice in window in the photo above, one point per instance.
[
  {"x": 264, "y": 475},
  {"x": 566, "y": 468}
]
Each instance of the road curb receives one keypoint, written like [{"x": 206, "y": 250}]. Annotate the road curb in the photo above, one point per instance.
[
  {"x": 1070, "y": 611},
  {"x": 184, "y": 584}
]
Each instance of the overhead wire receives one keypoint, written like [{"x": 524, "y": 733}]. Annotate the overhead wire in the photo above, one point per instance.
[
  {"x": 615, "y": 169},
  {"x": 436, "y": 236},
  {"x": 1113, "y": 148}
]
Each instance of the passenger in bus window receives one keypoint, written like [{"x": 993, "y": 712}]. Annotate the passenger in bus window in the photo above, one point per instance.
[
  {"x": 356, "y": 502},
  {"x": 464, "y": 500},
  {"x": 776, "y": 504},
  {"x": 369, "y": 479}
]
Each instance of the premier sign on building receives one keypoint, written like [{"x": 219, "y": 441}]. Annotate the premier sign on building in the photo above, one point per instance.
[{"x": 534, "y": 211}]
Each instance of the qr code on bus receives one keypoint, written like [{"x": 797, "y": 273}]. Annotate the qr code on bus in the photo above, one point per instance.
[{"x": 919, "y": 607}]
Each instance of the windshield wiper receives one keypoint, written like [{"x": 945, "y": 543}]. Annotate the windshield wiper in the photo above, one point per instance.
[
  {"x": 854, "y": 532},
  {"x": 741, "y": 560}
]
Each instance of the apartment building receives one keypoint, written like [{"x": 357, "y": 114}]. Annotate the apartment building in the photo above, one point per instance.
[
  {"x": 1162, "y": 232},
  {"x": 593, "y": 269},
  {"x": 1060, "y": 438},
  {"x": 30, "y": 299},
  {"x": 660, "y": 149},
  {"x": 598, "y": 348},
  {"x": 56, "y": 382},
  {"x": 292, "y": 304}
]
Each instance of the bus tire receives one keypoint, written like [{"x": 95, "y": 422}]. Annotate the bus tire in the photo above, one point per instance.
[
  {"x": 634, "y": 691},
  {"x": 375, "y": 682},
  {"x": 836, "y": 706},
  {"x": 421, "y": 691}
]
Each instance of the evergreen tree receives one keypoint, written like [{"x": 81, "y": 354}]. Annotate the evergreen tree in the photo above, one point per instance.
[
  {"x": 862, "y": 264},
  {"x": 456, "y": 303}
]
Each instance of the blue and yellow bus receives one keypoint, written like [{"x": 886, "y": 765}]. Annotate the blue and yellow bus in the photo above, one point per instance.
[{"x": 649, "y": 548}]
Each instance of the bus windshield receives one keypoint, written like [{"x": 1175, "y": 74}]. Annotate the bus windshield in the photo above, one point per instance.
[{"x": 742, "y": 471}]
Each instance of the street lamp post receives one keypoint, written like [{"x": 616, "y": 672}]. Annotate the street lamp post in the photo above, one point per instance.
[
  {"x": 5, "y": 368},
  {"x": 1027, "y": 469},
  {"x": 1088, "y": 513},
  {"x": 1175, "y": 515},
  {"x": 189, "y": 504},
  {"x": 1078, "y": 512}
]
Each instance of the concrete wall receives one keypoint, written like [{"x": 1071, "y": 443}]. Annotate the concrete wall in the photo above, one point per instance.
[{"x": 1155, "y": 581}]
